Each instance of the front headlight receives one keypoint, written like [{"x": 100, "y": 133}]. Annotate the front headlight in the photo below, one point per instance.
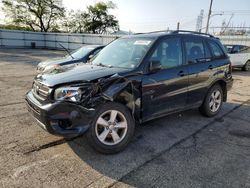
[{"x": 73, "y": 94}]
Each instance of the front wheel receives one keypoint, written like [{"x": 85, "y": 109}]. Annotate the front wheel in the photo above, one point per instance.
[
  {"x": 213, "y": 101},
  {"x": 246, "y": 66},
  {"x": 112, "y": 128}
]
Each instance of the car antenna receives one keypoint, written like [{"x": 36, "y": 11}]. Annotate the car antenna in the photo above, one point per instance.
[{"x": 66, "y": 50}]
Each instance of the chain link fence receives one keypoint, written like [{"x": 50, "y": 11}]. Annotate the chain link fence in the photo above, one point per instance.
[{"x": 232, "y": 35}]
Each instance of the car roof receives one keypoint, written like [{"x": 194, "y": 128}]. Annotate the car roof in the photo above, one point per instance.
[
  {"x": 159, "y": 34},
  {"x": 147, "y": 35}
]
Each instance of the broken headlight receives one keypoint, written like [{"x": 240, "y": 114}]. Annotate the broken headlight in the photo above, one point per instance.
[{"x": 73, "y": 94}]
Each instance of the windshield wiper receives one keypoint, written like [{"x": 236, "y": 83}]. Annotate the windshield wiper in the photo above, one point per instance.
[{"x": 66, "y": 50}]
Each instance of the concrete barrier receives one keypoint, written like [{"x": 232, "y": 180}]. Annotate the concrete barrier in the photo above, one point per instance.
[{"x": 27, "y": 39}]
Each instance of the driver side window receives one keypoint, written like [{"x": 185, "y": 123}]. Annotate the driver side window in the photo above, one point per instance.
[{"x": 168, "y": 53}]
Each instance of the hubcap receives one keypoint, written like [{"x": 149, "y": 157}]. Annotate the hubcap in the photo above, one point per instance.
[
  {"x": 111, "y": 127},
  {"x": 215, "y": 101}
]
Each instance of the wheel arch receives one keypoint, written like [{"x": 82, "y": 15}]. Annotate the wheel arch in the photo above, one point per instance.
[
  {"x": 127, "y": 94},
  {"x": 223, "y": 86}
]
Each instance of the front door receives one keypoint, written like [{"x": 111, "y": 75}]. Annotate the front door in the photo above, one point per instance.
[{"x": 165, "y": 91}]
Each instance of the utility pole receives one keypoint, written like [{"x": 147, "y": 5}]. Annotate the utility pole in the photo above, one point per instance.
[
  {"x": 209, "y": 15},
  {"x": 199, "y": 21},
  {"x": 178, "y": 26}
]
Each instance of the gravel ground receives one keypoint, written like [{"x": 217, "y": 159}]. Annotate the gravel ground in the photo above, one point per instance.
[{"x": 180, "y": 150}]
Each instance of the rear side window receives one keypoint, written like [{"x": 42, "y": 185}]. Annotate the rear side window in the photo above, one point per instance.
[
  {"x": 216, "y": 50},
  {"x": 246, "y": 49},
  {"x": 195, "y": 50}
]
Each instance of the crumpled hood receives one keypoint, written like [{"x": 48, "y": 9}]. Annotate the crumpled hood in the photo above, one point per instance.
[{"x": 72, "y": 73}]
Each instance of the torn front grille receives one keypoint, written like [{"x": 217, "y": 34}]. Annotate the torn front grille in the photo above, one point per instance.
[{"x": 41, "y": 91}]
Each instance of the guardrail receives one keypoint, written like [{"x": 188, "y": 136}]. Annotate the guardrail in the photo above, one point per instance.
[{"x": 26, "y": 39}]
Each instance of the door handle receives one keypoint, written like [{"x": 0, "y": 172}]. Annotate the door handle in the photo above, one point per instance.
[
  {"x": 211, "y": 67},
  {"x": 181, "y": 73}
]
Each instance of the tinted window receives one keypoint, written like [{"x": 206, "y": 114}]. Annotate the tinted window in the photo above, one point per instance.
[
  {"x": 216, "y": 50},
  {"x": 228, "y": 48},
  {"x": 245, "y": 49},
  {"x": 81, "y": 52},
  {"x": 236, "y": 49},
  {"x": 195, "y": 50},
  {"x": 168, "y": 52}
]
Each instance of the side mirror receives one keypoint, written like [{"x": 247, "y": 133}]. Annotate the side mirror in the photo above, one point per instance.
[{"x": 154, "y": 66}]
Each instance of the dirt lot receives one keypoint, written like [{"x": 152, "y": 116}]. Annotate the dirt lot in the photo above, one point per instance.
[{"x": 181, "y": 150}]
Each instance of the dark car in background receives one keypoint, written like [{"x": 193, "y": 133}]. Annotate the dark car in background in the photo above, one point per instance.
[
  {"x": 80, "y": 55},
  {"x": 132, "y": 80}
]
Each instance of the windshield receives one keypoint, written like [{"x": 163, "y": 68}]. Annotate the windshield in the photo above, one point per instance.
[
  {"x": 123, "y": 53},
  {"x": 81, "y": 52}
]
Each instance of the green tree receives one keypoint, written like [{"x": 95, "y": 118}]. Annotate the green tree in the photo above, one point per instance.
[
  {"x": 39, "y": 15},
  {"x": 98, "y": 20},
  {"x": 74, "y": 22}
]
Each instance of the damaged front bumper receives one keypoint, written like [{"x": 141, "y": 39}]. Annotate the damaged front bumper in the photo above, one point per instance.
[{"x": 60, "y": 118}]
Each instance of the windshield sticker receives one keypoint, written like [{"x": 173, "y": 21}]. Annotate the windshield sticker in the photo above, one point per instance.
[{"x": 142, "y": 42}]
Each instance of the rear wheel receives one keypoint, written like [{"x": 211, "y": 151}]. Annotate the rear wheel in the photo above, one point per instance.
[
  {"x": 246, "y": 66},
  {"x": 213, "y": 101},
  {"x": 112, "y": 128}
]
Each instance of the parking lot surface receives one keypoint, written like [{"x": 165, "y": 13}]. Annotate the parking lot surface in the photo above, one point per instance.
[{"x": 180, "y": 150}]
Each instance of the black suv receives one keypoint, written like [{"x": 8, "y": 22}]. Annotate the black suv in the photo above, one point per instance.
[{"x": 133, "y": 79}]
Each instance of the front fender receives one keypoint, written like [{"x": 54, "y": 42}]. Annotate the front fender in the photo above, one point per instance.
[{"x": 114, "y": 90}]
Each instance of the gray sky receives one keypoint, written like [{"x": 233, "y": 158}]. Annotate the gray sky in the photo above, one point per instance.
[{"x": 151, "y": 15}]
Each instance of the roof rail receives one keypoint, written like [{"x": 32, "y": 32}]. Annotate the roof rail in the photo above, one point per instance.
[
  {"x": 138, "y": 33},
  {"x": 160, "y": 31},
  {"x": 192, "y": 32}
]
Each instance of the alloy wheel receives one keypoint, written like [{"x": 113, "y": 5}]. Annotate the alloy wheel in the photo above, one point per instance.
[
  {"x": 111, "y": 127},
  {"x": 215, "y": 101}
]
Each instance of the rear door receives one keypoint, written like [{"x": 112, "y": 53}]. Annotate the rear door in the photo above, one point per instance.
[
  {"x": 165, "y": 91},
  {"x": 201, "y": 69}
]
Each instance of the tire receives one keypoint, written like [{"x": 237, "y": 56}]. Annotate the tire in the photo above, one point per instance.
[
  {"x": 112, "y": 128},
  {"x": 246, "y": 66},
  {"x": 213, "y": 101}
]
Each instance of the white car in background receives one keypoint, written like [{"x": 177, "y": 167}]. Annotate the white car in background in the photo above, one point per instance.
[{"x": 239, "y": 56}]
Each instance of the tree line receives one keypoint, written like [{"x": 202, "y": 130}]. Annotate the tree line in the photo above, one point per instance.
[{"x": 51, "y": 16}]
